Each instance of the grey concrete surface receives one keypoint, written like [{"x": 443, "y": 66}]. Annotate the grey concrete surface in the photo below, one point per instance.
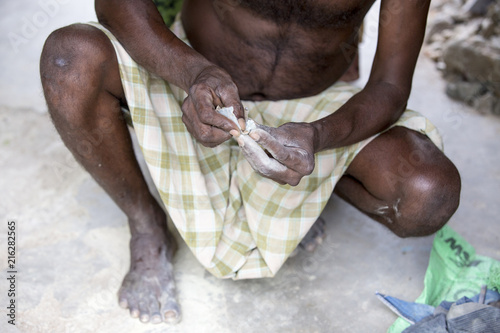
[{"x": 72, "y": 241}]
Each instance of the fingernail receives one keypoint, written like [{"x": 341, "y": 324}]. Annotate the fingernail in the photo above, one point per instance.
[
  {"x": 254, "y": 136},
  {"x": 234, "y": 133},
  {"x": 242, "y": 123}
]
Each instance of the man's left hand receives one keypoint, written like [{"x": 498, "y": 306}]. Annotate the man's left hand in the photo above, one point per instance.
[{"x": 290, "y": 150}]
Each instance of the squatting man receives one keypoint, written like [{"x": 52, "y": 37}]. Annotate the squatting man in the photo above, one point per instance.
[{"x": 243, "y": 201}]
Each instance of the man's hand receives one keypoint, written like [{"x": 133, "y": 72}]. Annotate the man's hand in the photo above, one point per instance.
[
  {"x": 290, "y": 150},
  {"x": 212, "y": 87}
]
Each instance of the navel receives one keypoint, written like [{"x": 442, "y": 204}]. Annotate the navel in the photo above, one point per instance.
[{"x": 258, "y": 96}]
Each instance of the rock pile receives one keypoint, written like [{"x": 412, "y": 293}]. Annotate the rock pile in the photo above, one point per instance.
[{"x": 463, "y": 38}]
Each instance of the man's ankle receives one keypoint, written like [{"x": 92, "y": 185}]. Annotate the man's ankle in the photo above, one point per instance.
[{"x": 148, "y": 222}]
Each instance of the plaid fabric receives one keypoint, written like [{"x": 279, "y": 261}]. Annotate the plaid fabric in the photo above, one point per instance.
[{"x": 238, "y": 224}]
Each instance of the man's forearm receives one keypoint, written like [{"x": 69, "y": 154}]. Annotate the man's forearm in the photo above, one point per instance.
[
  {"x": 384, "y": 98},
  {"x": 139, "y": 27},
  {"x": 370, "y": 111}
]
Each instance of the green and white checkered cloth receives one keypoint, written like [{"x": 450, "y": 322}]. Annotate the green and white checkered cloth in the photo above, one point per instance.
[{"x": 237, "y": 223}]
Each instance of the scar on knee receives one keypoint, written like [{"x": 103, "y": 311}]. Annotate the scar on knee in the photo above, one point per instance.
[
  {"x": 61, "y": 62},
  {"x": 389, "y": 212},
  {"x": 397, "y": 213},
  {"x": 382, "y": 210}
]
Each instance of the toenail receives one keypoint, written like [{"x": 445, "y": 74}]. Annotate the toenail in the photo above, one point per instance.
[
  {"x": 145, "y": 318},
  {"x": 134, "y": 313},
  {"x": 123, "y": 303},
  {"x": 171, "y": 316},
  {"x": 156, "y": 319}
]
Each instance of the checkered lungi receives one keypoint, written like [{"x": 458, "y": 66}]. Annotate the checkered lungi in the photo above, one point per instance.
[{"x": 237, "y": 223}]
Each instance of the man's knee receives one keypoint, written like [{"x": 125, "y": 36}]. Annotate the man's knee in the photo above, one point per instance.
[
  {"x": 430, "y": 198},
  {"x": 72, "y": 64},
  {"x": 75, "y": 47}
]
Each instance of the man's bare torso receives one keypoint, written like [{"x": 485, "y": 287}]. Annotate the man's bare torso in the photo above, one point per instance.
[{"x": 276, "y": 49}]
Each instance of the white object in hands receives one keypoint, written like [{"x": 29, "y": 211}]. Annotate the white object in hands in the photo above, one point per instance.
[
  {"x": 253, "y": 152},
  {"x": 228, "y": 113}
]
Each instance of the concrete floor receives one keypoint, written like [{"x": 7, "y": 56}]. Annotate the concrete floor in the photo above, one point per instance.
[{"x": 72, "y": 241}]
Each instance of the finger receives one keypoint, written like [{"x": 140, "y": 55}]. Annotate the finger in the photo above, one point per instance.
[
  {"x": 254, "y": 154},
  {"x": 206, "y": 134},
  {"x": 209, "y": 116},
  {"x": 216, "y": 100},
  {"x": 266, "y": 140},
  {"x": 210, "y": 136},
  {"x": 230, "y": 97},
  {"x": 264, "y": 165},
  {"x": 294, "y": 158},
  {"x": 218, "y": 135},
  {"x": 202, "y": 102}
]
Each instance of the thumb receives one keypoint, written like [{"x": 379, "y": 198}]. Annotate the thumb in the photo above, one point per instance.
[{"x": 230, "y": 97}]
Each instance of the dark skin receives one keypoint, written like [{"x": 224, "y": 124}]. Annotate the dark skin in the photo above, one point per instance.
[{"x": 253, "y": 50}]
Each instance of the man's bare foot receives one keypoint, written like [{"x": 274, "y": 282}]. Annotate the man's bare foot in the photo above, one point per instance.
[
  {"x": 313, "y": 238},
  {"x": 148, "y": 289}
]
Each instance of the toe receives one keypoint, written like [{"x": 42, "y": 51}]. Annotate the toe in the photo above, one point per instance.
[
  {"x": 154, "y": 311},
  {"x": 312, "y": 245},
  {"x": 133, "y": 308},
  {"x": 144, "y": 318},
  {"x": 171, "y": 312},
  {"x": 156, "y": 318},
  {"x": 130, "y": 303},
  {"x": 172, "y": 317},
  {"x": 123, "y": 298},
  {"x": 123, "y": 303},
  {"x": 134, "y": 312},
  {"x": 144, "y": 312},
  {"x": 294, "y": 253}
]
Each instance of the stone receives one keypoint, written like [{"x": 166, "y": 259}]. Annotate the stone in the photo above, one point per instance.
[
  {"x": 487, "y": 28},
  {"x": 465, "y": 91},
  {"x": 496, "y": 108},
  {"x": 473, "y": 58},
  {"x": 477, "y": 7},
  {"x": 434, "y": 51},
  {"x": 464, "y": 41},
  {"x": 485, "y": 103},
  {"x": 465, "y": 31},
  {"x": 438, "y": 25}
]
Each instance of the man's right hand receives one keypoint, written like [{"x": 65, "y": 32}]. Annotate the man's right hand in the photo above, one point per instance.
[
  {"x": 139, "y": 27},
  {"x": 212, "y": 87}
]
